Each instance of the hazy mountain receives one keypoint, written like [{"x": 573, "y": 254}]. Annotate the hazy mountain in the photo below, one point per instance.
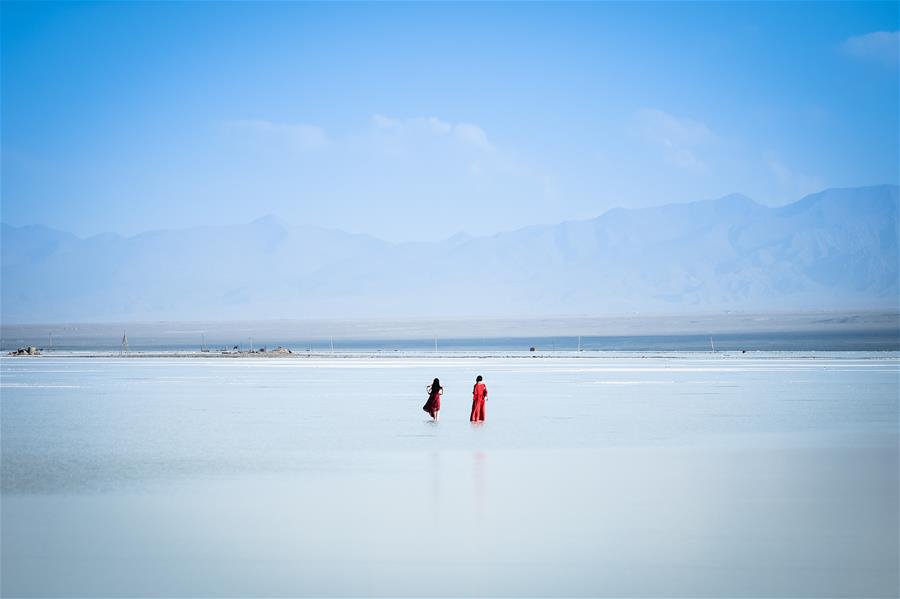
[{"x": 831, "y": 250}]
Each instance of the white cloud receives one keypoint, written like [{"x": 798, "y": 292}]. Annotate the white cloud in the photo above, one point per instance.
[
  {"x": 386, "y": 135},
  {"x": 883, "y": 46},
  {"x": 418, "y": 170},
  {"x": 680, "y": 139},
  {"x": 464, "y": 133},
  {"x": 435, "y": 125},
  {"x": 297, "y": 136},
  {"x": 472, "y": 134},
  {"x": 383, "y": 122},
  {"x": 790, "y": 182}
]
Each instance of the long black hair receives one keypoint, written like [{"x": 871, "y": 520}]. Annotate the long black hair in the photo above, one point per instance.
[
  {"x": 434, "y": 388},
  {"x": 478, "y": 379}
]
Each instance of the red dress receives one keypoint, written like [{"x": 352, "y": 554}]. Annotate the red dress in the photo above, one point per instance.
[
  {"x": 479, "y": 396},
  {"x": 434, "y": 401}
]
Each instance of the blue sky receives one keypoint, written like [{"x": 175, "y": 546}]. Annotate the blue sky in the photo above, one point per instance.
[{"x": 416, "y": 121}]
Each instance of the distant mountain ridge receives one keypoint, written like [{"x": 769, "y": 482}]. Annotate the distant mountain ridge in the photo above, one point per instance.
[{"x": 837, "y": 249}]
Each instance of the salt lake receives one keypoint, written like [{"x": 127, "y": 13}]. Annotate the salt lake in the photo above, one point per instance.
[{"x": 597, "y": 474}]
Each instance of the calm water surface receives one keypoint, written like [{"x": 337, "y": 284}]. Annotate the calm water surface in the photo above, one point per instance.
[{"x": 672, "y": 475}]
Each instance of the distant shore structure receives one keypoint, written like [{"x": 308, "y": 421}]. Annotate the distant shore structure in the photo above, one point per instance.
[{"x": 29, "y": 350}]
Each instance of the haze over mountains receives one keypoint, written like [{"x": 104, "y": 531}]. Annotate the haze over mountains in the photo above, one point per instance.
[{"x": 833, "y": 250}]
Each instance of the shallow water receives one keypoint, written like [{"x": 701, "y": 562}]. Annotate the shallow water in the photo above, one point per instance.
[{"x": 674, "y": 475}]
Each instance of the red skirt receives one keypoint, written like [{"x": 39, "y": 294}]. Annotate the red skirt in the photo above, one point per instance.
[
  {"x": 477, "y": 414},
  {"x": 433, "y": 404}
]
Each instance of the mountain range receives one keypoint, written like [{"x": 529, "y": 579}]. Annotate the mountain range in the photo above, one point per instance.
[{"x": 837, "y": 249}]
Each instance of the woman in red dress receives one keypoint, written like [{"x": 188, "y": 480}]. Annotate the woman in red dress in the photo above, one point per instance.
[
  {"x": 433, "y": 405},
  {"x": 479, "y": 396}
]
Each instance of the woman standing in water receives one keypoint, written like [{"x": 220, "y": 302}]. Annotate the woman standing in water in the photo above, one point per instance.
[
  {"x": 433, "y": 405},
  {"x": 479, "y": 396}
]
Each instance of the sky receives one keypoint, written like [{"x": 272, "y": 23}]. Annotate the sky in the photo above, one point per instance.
[{"x": 419, "y": 121}]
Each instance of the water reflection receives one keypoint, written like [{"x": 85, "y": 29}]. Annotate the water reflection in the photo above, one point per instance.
[
  {"x": 435, "y": 476},
  {"x": 479, "y": 464}
]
